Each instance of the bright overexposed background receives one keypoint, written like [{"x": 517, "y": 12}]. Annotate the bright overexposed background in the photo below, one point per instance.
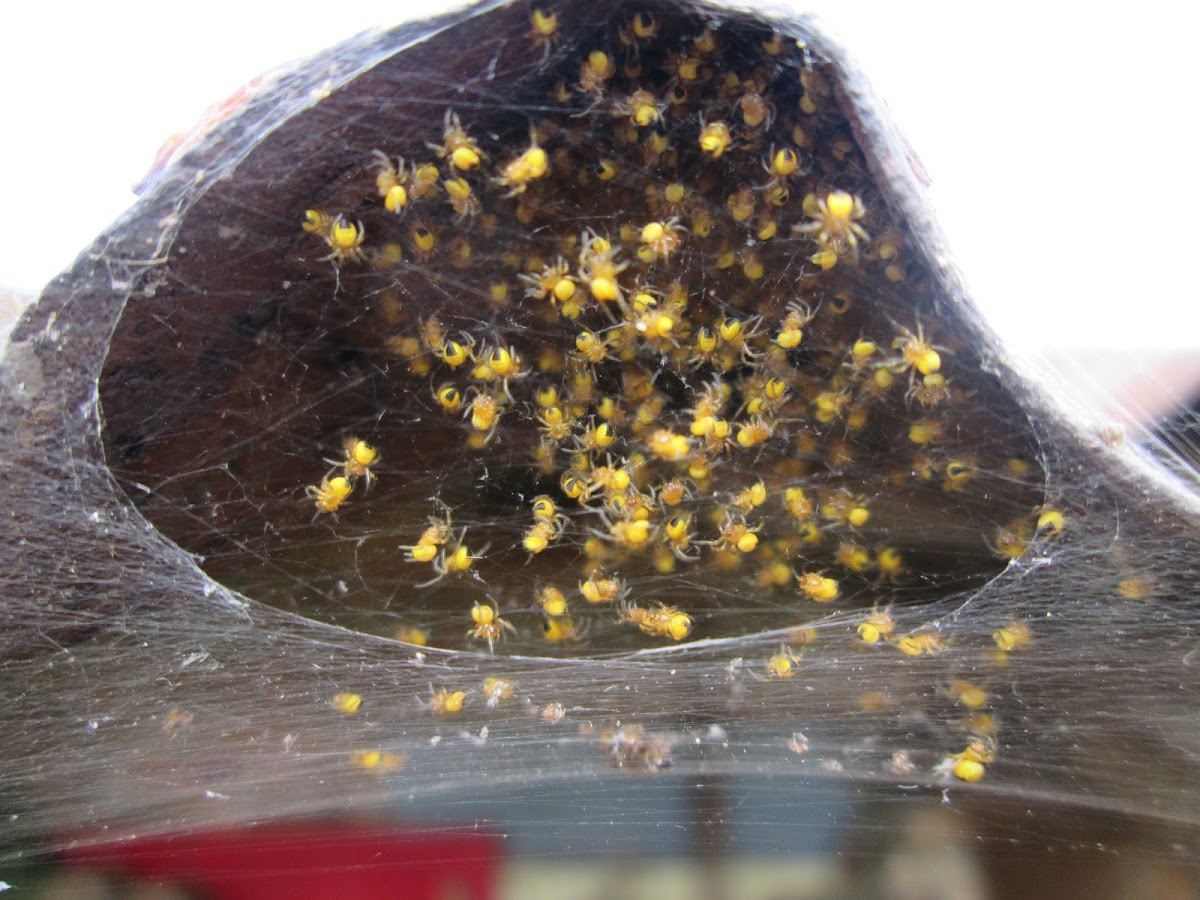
[{"x": 1059, "y": 140}]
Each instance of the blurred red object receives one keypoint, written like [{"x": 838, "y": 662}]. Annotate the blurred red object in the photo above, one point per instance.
[{"x": 310, "y": 860}]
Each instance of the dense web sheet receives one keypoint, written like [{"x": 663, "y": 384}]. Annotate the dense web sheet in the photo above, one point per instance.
[{"x": 632, "y": 307}]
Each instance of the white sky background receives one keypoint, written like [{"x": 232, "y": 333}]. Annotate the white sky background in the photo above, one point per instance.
[{"x": 1060, "y": 144}]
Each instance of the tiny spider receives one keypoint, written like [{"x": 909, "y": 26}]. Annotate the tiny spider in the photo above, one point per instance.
[
  {"x": 878, "y": 626},
  {"x": 543, "y": 533},
  {"x": 461, "y": 198},
  {"x": 917, "y": 355},
  {"x": 835, "y": 226},
  {"x": 488, "y": 624},
  {"x": 330, "y": 494},
  {"x": 593, "y": 347},
  {"x": 755, "y": 431},
  {"x": 484, "y": 411},
  {"x": 674, "y": 492},
  {"x": 552, "y": 282},
  {"x": 923, "y": 644},
  {"x": 391, "y": 181},
  {"x": 783, "y": 664},
  {"x": 449, "y": 398},
  {"x": 603, "y": 589},
  {"x": 498, "y": 690},
  {"x": 660, "y": 239},
  {"x": 736, "y": 535},
  {"x": 959, "y": 472},
  {"x": 662, "y": 621},
  {"x": 598, "y": 267},
  {"x": 640, "y": 27},
  {"x": 1012, "y": 636},
  {"x": 715, "y": 139},
  {"x": 531, "y": 165},
  {"x": 969, "y": 765},
  {"x": 595, "y": 72},
  {"x": 854, "y": 557},
  {"x": 739, "y": 334},
  {"x": 817, "y": 587},
  {"x": 344, "y": 238},
  {"x": 967, "y": 693},
  {"x": 677, "y": 533},
  {"x": 756, "y": 110},
  {"x": 432, "y": 539},
  {"x": 890, "y": 563},
  {"x": 1012, "y": 539},
  {"x": 357, "y": 461},
  {"x": 563, "y": 630},
  {"x": 457, "y": 145},
  {"x": 791, "y": 329},
  {"x": 932, "y": 390},
  {"x": 543, "y": 30},
  {"x": 555, "y": 425},
  {"x": 1050, "y": 522},
  {"x": 552, "y": 601},
  {"x": 781, "y": 165},
  {"x": 595, "y": 438},
  {"x": 445, "y": 703},
  {"x": 641, "y": 107},
  {"x": 631, "y": 534},
  {"x": 454, "y": 561}
]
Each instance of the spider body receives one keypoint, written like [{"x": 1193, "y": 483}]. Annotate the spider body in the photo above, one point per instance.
[
  {"x": 330, "y": 494},
  {"x": 835, "y": 227},
  {"x": 488, "y": 624}
]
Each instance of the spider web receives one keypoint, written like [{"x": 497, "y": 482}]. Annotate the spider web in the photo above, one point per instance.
[{"x": 186, "y": 622}]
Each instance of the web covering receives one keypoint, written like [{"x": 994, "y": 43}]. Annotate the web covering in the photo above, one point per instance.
[{"x": 557, "y": 396}]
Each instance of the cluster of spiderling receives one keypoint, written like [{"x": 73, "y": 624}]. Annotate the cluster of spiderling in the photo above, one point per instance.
[{"x": 674, "y": 298}]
